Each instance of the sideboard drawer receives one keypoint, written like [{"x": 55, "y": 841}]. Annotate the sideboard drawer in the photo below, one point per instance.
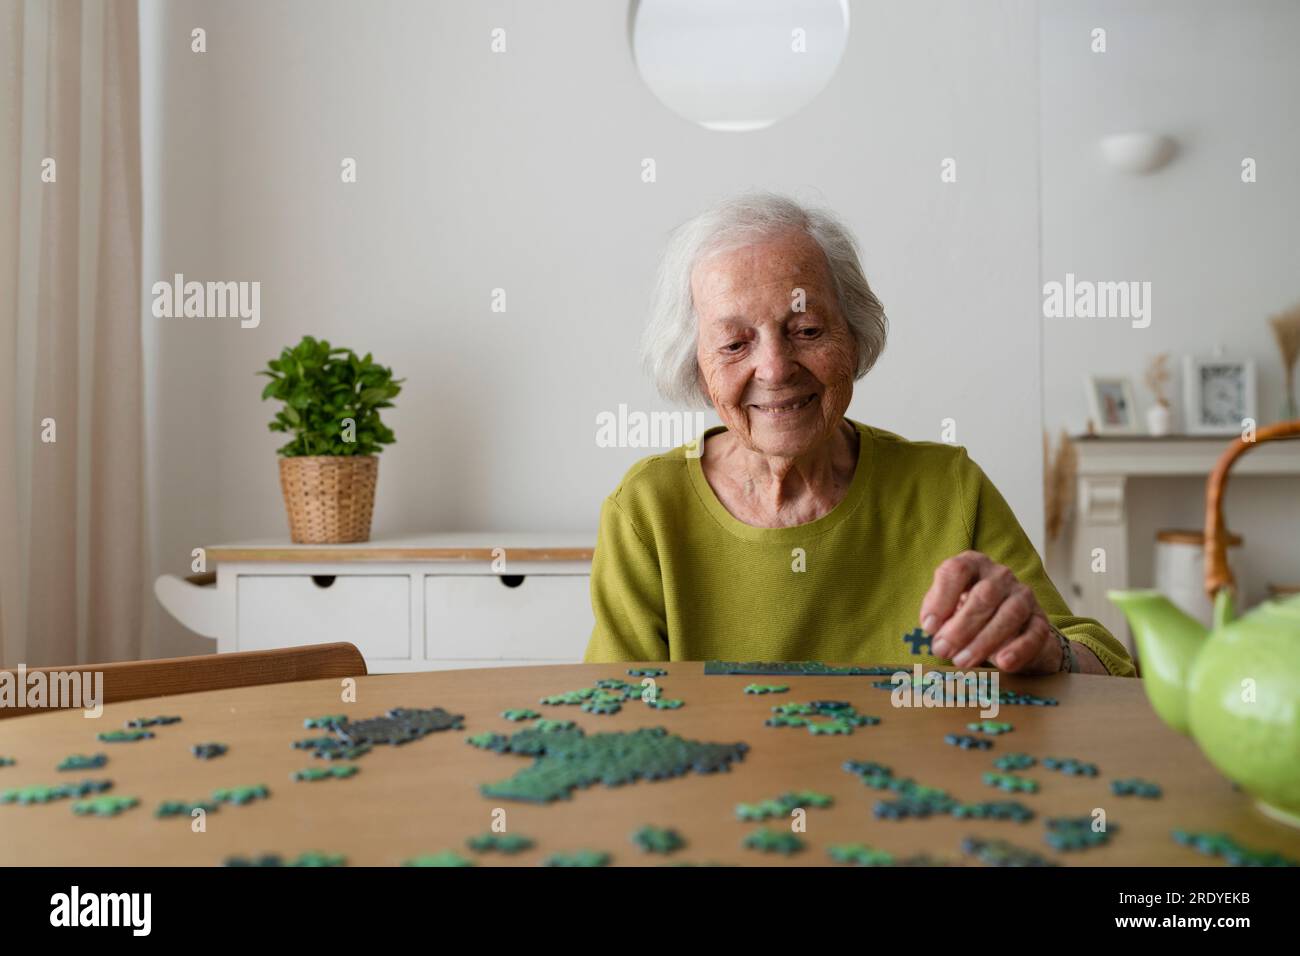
[
  {"x": 547, "y": 617},
  {"x": 372, "y": 611}
]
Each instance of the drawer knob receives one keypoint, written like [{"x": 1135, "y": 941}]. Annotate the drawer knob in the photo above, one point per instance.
[
  {"x": 512, "y": 580},
  {"x": 322, "y": 580}
]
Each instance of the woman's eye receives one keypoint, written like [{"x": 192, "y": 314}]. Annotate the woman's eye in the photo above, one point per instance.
[
  {"x": 733, "y": 347},
  {"x": 811, "y": 332}
]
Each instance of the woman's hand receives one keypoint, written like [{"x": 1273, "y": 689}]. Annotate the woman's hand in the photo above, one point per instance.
[{"x": 977, "y": 610}]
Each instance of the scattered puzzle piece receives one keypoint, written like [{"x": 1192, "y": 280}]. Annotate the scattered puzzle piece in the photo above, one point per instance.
[
  {"x": 124, "y": 736},
  {"x": 446, "y": 858},
  {"x": 182, "y": 808},
  {"x": 783, "y": 805},
  {"x": 508, "y": 843},
  {"x": 83, "y": 762},
  {"x": 108, "y": 805},
  {"x": 578, "y": 858},
  {"x": 840, "y": 716},
  {"x": 653, "y": 839},
  {"x": 328, "y": 722},
  {"x": 152, "y": 722},
  {"x": 766, "y": 688},
  {"x": 995, "y": 810},
  {"x": 547, "y": 726},
  {"x": 520, "y": 714},
  {"x": 1014, "y": 762},
  {"x": 241, "y": 795},
  {"x": 1234, "y": 853},
  {"x": 1069, "y": 765},
  {"x": 1135, "y": 786},
  {"x": 766, "y": 840},
  {"x": 1002, "y": 853},
  {"x": 208, "y": 751},
  {"x": 859, "y": 854},
  {"x": 661, "y": 703},
  {"x": 1076, "y": 833},
  {"x": 967, "y": 741},
  {"x": 342, "y": 771},
  {"x": 61, "y": 791},
  {"x": 309, "y": 859},
  {"x": 7, "y": 761},
  {"x": 647, "y": 672},
  {"x": 401, "y": 725},
  {"x": 1010, "y": 782},
  {"x": 991, "y": 727}
]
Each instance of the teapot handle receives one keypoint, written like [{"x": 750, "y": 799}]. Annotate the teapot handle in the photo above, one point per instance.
[{"x": 1217, "y": 573}]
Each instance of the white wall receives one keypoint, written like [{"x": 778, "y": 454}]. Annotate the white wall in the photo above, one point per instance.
[
  {"x": 1223, "y": 79},
  {"x": 522, "y": 171}
]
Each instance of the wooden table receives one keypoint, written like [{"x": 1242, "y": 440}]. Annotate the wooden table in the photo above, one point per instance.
[{"x": 423, "y": 797}]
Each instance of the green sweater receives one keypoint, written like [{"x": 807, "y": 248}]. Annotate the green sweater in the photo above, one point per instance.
[{"x": 676, "y": 577}]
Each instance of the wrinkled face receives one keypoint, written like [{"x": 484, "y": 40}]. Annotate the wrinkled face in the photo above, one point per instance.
[{"x": 780, "y": 378}]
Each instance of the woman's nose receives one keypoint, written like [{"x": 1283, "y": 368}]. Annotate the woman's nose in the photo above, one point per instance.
[{"x": 775, "y": 362}]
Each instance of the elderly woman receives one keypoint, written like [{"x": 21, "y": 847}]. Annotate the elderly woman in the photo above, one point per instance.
[{"x": 792, "y": 532}]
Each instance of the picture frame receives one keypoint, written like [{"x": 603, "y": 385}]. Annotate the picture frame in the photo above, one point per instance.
[
  {"x": 1112, "y": 404},
  {"x": 1218, "y": 393}
]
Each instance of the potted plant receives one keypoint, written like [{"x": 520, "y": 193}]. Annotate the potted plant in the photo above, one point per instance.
[{"x": 331, "y": 407}]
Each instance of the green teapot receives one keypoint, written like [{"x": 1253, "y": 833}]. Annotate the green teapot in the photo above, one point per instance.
[{"x": 1236, "y": 688}]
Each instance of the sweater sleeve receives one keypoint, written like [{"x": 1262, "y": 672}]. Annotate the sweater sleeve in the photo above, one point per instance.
[
  {"x": 996, "y": 532},
  {"x": 627, "y": 595}
]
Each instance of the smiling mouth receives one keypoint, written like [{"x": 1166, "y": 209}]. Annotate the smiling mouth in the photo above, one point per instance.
[{"x": 786, "y": 408}]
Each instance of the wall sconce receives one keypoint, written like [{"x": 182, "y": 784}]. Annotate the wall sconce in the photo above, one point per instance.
[{"x": 1138, "y": 152}]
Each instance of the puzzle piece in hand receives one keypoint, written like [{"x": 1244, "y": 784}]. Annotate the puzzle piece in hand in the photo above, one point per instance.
[
  {"x": 967, "y": 741},
  {"x": 321, "y": 773},
  {"x": 766, "y": 840},
  {"x": 991, "y": 727},
  {"x": 520, "y": 714},
  {"x": 328, "y": 722},
  {"x": 60, "y": 791},
  {"x": 766, "y": 688},
  {"x": 568, "y": 760},
  {"x": 241, "y": 795},
  {"x": 152, "y": 721},
  {"x": 1015, "y": 761},
  {"x": 916, "y": 638},
  {"x": 181, "y": 808},
  {"x": 647, "y": 672},
  {"x": 401, "y": 725},
  {"x": 1068, "y": 765},
  {"x": 446, "y": 858},
  {"x": 208, "y": 751},
  {"x": 1076, "y": 833},
  {"x": 1002, "y": 853},
  {"x": 578, "y": 858},
  {"x": 791, "y": 669},
  {"x": 1135, "y": 786},
  {"x": 1234, "y": 853},
  {"x": 508, "y": 843},
  {"x": 107, "y": 805},
  {"x": 124, "y": 736},
  {"x": 1010, "y": 782},
  {"x": 654, "y": 839},
  {"x": 83, "y": 762}
]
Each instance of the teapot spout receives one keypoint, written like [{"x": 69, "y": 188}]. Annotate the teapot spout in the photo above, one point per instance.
[{"x": 1168, "y": 642}]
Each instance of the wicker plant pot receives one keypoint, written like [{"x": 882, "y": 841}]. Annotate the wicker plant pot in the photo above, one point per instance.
[{"x": 329, "y": 498}]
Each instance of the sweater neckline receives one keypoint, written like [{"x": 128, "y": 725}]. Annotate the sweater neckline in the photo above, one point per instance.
[{"x": 795, "y": 533}]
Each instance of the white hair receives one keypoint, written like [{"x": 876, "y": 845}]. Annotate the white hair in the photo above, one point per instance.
[{"x": 668, "y": 347}]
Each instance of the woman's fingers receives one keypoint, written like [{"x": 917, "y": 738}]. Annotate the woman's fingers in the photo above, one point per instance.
[
  {"x": 1024, "y": 653},
  {"x": 1003, "y": 627},
  {"x": 951, "y": 579},
  {"x": 982, "y": 603}
]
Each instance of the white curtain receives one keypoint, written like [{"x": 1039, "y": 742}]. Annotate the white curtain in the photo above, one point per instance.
[{"x": 72, "y": 536}]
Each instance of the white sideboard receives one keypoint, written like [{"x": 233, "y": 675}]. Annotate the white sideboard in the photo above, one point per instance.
[
  {"x": 426, "y": 602},
  {"x": 1106, "y": 467}
]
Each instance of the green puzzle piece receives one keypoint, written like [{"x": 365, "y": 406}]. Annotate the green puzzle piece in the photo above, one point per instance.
[
  {"x": 578, "y": 858},
  {"x": 654, "y": 839},
  {"x": 61, "y": 791},
  {"x": 321, "y": 773},
  {"x": 508, "y": 843},
  {"x": 182, "y": 808},
  {"x": 124, "y": 736},
  {"x": 1010, "y": 782},
  {"x": 990, "y": 727},
  {"x": 766, "y": 840},
  {"x": 241, "y": 795},
  {"x": 766, "y": 688},
  {"x": 328, "y": 722},
  {"x": 445, "y": 858},
  {"x": 83, "y": 762},
  {"x": 859, "y": 854},
  {"x": 520, "y": 714},
  {"x": 108, "y": 805}
]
